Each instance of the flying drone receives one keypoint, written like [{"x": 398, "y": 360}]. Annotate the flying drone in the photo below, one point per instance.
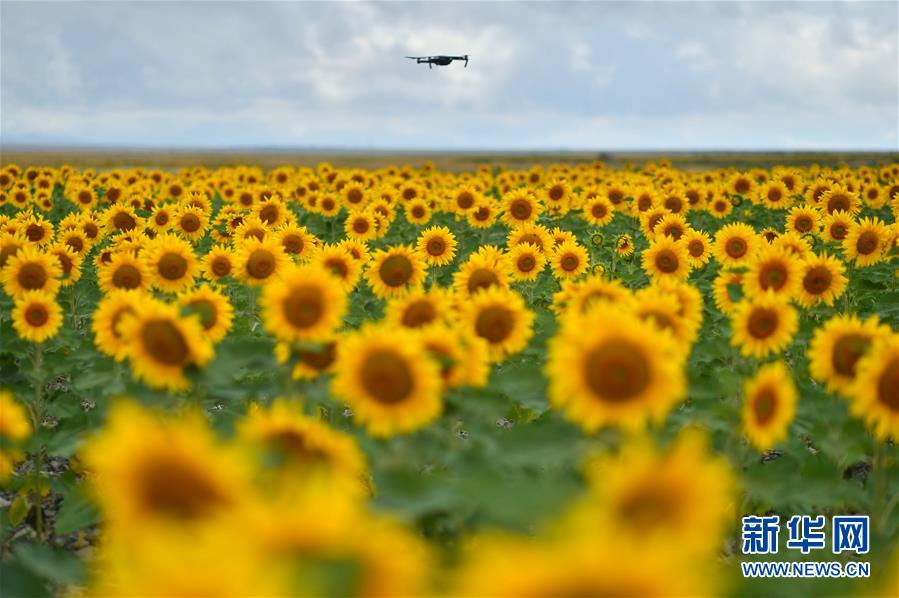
[{"x": 438, "y": 60}]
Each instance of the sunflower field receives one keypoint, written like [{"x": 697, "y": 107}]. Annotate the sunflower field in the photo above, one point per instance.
[{"x": 550, "y": 381}]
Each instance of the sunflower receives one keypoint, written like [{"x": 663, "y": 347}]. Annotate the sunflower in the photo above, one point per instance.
[
  {"x": 683, "y": 496},
  {"x": 418, "y": 212},
  {"x": 798, "y": 246},
  {"x": 741, "y": 184},
  {"x": 160, "y": 219},
  {"x": 479, "y": 272},
  {"x": 76, "y": 241},
  {"x": 305, "y": 303},
  {"x": 803, "y": 219},
  {"x": 121, "y": 219},
  {"x": 823, "y": 280},
  {"x": 763, "y": 324},
  {"x": 534, "y": 234},
  {"x": 386, "y": 379},
  {"x": 500, "y": 317},
  {"x": 296, "y": 241},
  {"x": 69, "y": 261},
  {"x": 190, "y": 222},
  {"x": 774, "y": 195},
  {"x": 161, "y": 343},
  {"x": 875, "y": 393},
  {"x": 689, "y": 298},
  {"x": 38, "y": 231},
  {"x": 735, "y": 244},
  {"x": 218, "y": 263},
  {"x": 769, "y": 405},
  {"x": 124, "y": 271},
  {"x": 483, "y": 215},
  {"x": 772, "y": 270},
  {"x": 212, "y": 307},
  {"x": 176, "y": 472},
  {"x": 666, "y": 258},
  {"x": 360, "y": 226},
  {"x": 105, "y": 320},
  {"x": 520, "y": 207},
  {"x": 673, "y": 226},
  {"x": 259, "y": 261},
  {"x": 569, "y": 260},
  {"x": 836, "y": 226},
  {"x": 720, "y": 206},
  {"x": 273, "y": 212},
  {"x": 36, "y": 316},
  {"x": 556, "y": 195},
  {"x": 698, "y": 245},
  {"x": 866, "y": 242},
  {"x": 608, "y": 367},
  {"x": 357, "y": 250},
  {"x": 437, "y": 245},
  {"x": 297, "y": 446},
  {"x": 420, "y": 309},
  {"x": 171, "y": 263},
  {"x": 395, "y": 271},
  {"x": 624, "y": 245},
  {"x": 463, "y": 357},
  {"x": 340, "y": 263},
  {"x": 838, "y": 345},
  {"x": 527, "y": 262},
  {"x": 599, "y": 211},
  {"x": 840, "y": 199},
  {"x": 661, "y": 308},
  {"x": 310, "y": 360},
  {"x": 582, "y": 295},
  {"x": 29, "y": 269},
  {"x": 328, "y": 205}
]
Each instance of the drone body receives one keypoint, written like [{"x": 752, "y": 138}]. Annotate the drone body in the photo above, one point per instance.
[{"x": 438, "y": 60}]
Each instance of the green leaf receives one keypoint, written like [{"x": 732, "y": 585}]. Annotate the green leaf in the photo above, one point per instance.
[
  {"x": 56, "y": 566},
  {"x": 17, "y": 581},
  {"x": 75, "y": 513}
]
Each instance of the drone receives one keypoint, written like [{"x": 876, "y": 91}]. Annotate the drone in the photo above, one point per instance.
[{"x": 438, "y": 60}]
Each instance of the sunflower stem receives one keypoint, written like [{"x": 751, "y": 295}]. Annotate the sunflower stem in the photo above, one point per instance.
[{"x": 37, "y": 415}]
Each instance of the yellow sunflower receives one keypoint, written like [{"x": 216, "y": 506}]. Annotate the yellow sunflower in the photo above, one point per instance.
[
  {"x": 340, "y": 263},
  {"x": 774, "y": 271},
  {"x": 769, "y": 405},
  {"x": 484, "y": 213},
  {"x": 823, "y": 280},
  {"x": 258, "y": 261},
  {"x": 296, "y": 241},
  {"x": 520, "y": 207},
  {"x": 839, "y": 199},
  {"x": 31, "y": 269},
  {"x": 385, "y": 377},
  {"x": 666, "y": 258},
  {"x": 463, "y": 357},
  {"x": 569, "y": 260},
  {"x": 360, "y": 225},
  {"x": 535, "y": 234},
  {"x": 190, "y": 222},
  {"x": 735, "y": 244},
  {"x": 763, "y": 324},
  {"x": 866, "y": 242},
  {"x": 395, "y": 271},
  {"x": 838, "y": 345},
  {"x": 161, "y": 343},
  {"x": 212, "y": 307},
  {"x": 124, "y": 271},
  {"x": 218, "y": 263},
  {"x": 582, "y": 295},
  {"x": 420, "y": 308},
  {"x": 106, "y": 318},
  {"x": 875, "y": 393},
  {"x": 171, "y": 263},
  {"x": 305, "y": 303},
  {"x": 836, "y": 226},
  {"x": 527, "y": 261},
  {"x": 660, "y": 306},
  {"x": 599, "y": 211},
  {"x": 500, "y": 317},
  {"x": 437, "y": 245},
  {"x": 69, "y": 261},
  {"x": 699, "y": 247},
  {"x": 804, "y": 219},
  {"x": 608, "y": 367},
  {"x": 36, "y": 316}
]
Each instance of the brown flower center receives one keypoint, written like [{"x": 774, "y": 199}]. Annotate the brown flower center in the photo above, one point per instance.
[
  {"x": 888, "y": 386},
  {"x": 570, "y": 262},
  {"x": 526, "y": 263},
  {"x": 419, "y": 313},
  {"x": 436, "y": 247},
  {"x": 736, "y": 248},
  {"x": 221, "y": 266},
  {"x": 172, "y": 266},
  {"x": 164, "y": 342},
  {"x": 36, "y": 315},
  {"x": 867, "y": 243},
  {"x": 521, "y": 209},
  {"x": 838, "y": 201},
  {"x": 763, "y": 322},
  {"x": 261, "y": 264},
  {"x": 847, "y": 350},
  {"x": 304, "y": 306},
  {"x": 666, "y": 261},
  {"x": 126, "y": 276},
  {"x": 696, "y": 248},
  {"x": 764, "y": 406},
  {"x": 34, "y": 232},
  {"x": 803, "y": 224},
  {"x": 465, "y": 200},
  {"x": 773, "y": 275},
  {"x": 124, "y": 221},
  {"x": 817, "y": 280},
  {"x": 387, "y": 377},
  {"x": 172, "y": 488},
  {"x": 482, "y": 278},
  {"x": 190, "y": 223},
  {"x": 32, "y": 277},
  {"x": 495, "y": 323},
  {"x": 396, "y": 270},
  {"x": 616, "y": 371},
  {"x": 207, "y": 312}
]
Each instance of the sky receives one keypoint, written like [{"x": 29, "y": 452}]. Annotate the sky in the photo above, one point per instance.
[{"x": 542, "y": 76}]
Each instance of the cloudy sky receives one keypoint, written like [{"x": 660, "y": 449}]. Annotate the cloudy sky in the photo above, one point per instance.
[{"x": 583, "y": 75}]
